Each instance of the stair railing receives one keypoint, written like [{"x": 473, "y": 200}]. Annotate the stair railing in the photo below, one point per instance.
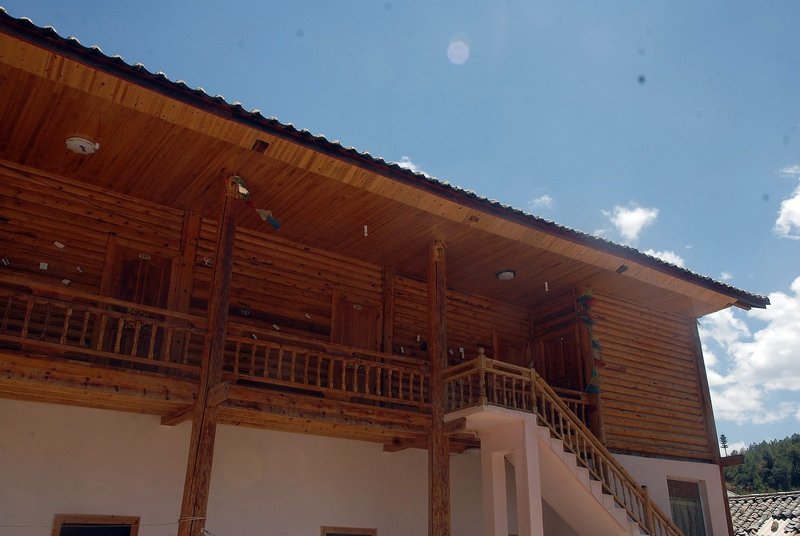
[
  {"x": 594, "y": 456},
  {"x": 485, "y": 381}
]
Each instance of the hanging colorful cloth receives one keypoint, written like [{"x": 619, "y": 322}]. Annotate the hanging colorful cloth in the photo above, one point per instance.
[
  {"x": 585, "y": 302},
  {"x": 237, "y": 188}
]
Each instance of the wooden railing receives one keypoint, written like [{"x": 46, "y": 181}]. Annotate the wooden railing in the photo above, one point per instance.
[
  {"x": 75, "y": 325},
  {"x": 485, "y": 381},
  {"x": 278, "y": 359},
  {"x": 97, "y": 329}
]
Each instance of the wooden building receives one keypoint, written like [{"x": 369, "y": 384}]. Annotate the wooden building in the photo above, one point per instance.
[{"x": 211, "y": 320}]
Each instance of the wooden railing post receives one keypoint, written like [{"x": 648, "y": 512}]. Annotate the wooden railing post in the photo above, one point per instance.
[
  {"x": 482, "y": 391},
  {"x": 648, "y": 511}
]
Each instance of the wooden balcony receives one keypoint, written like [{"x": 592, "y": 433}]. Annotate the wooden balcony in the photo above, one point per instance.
[
  {"x": 482, "y": 381},
  {"x": 335, "y": 371},
  {"x": 51, "y": 322}
]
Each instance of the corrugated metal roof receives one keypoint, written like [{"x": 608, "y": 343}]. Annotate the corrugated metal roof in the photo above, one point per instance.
[
  {"x": 137, "y": 73},
  {"x": 756, "y": 515}
]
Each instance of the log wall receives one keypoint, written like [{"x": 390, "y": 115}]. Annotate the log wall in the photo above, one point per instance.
[
  {"x": 650, "y": 392},
  {"x": 284, "y": 286},
  {"x": 472, "y": 322},
  {"x": 38, "y": 210}
]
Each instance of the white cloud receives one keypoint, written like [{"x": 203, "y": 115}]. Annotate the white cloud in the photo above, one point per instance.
[
  {"x": 542, "y": 202},
  {"x": 601, "y": 233},
  {"x": 737, "y": 446},
  {"x": 666, "y": 255},
  {"x": 788, "y": 223},
  {"x": 758, "y": 378},
  {"x": 790, "y": 171},
  {"x": 726, "y": 276},
  {"x": 406, "y": 163},
  {"x": 629, "y": 221}
]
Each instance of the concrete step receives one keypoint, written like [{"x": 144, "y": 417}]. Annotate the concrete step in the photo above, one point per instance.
[{"x": 593, "y": 486}]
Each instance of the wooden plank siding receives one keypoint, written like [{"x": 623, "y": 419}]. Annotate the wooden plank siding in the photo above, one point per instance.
[
  {"x": 472, "y": 322},
  {"x": 284, "y": 284},
  {"x": 37, "y": 210},
  {"x": 650, "y": 392}
]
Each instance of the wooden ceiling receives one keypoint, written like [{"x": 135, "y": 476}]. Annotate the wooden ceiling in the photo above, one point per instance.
[{"x": 158, "y": 148}]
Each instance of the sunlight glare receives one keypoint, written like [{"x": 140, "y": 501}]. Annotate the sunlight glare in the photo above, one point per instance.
[{"x": 458, "y": 50}]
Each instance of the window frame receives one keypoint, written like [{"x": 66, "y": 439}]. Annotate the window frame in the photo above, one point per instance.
[
  {"x": 333, "y": 531},
  {"x": 702, "y": 497},
  {"x": 61, "y": 519}
]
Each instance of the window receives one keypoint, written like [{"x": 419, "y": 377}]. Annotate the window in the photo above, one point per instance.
[
  {"x": 347, "y": 531},
  {"x": 93, "y": 525},
  {"x": 687, "y": 507}
]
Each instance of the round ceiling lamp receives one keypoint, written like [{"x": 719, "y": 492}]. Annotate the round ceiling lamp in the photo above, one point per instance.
[
  {"x": 506, "y": 275},
  {"x": 80, "y": 145}
]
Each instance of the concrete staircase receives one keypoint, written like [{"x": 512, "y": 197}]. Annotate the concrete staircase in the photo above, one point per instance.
[{"x": 558, "y": 462}]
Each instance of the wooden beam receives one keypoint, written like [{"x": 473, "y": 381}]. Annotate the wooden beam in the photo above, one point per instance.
[
  {"x": 732, "y": 460},
  {"x": 218, "y": 394},
  {"x": 456, "y": 426},
  {"x": 708, "y": 412},
  {"x": 398, "y": 444},
  {"x": 204, "y": 422},
  {"x": 438, "y": 450},
  {"x": 177, "y": 418}
]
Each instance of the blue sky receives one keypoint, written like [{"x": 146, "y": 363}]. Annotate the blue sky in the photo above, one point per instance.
[{"x": 673, "y": 127}]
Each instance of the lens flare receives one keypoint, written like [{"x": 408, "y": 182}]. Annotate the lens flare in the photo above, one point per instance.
[{"x": 458, "y": 49}]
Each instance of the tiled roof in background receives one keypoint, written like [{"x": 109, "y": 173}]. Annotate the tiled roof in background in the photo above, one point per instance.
[{"x": 758, "y": 514}]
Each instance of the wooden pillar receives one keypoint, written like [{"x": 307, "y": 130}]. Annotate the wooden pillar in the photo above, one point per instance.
[
  {"x": 204, "y": 422},
  {"x": 181, "y": 293},
  {"x": 387, "y": 327},
  {"x": 439, "y": 448}
]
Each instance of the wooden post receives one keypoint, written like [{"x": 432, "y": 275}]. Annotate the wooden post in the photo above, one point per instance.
[
  {"x": 439, "y": 449},
  {"x": 204, "y": 421},
  {"x": 387, "y": 328},
  {"x": 648, "y": 511},
  {"x": 482, "y": 390}
]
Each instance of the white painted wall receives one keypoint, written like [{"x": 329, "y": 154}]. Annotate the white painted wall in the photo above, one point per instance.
[
  {"x": 654, "y": 472},
  {"x": 61, "y": 459},
  {"x": 58, "y": 459}
]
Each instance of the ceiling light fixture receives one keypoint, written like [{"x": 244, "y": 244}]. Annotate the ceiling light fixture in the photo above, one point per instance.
[
  {"x": 506, "y": 275},
  {"x": 80, "y": 145}
]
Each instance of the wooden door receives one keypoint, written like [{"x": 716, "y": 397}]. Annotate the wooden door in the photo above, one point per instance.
[
  {"x": 355, "y": 325},
  {"x": 140, "y": 277},
  {"x": 558, "y": 359}
]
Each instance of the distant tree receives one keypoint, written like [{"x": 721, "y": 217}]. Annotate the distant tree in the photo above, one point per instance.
[
  {"x": 723, "y": 442},
  {"x": 768, "y": 466}
]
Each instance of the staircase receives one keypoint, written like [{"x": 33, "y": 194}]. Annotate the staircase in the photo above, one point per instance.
[
  {"x": 486, "y": 383},
  {"x": 557, "y": 462}
]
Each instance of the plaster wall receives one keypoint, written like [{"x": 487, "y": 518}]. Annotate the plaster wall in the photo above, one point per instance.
[
  {"x": 654, "y": 472},
  {"x": 63, "y": 459}
]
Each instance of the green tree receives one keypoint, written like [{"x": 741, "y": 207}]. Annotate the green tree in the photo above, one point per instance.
[{"x": 768, "y": 466}]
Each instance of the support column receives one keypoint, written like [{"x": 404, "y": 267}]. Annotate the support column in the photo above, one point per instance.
[
  {"x": 439, "y": 448},
  {"x": 518, "y": 440},
  {"x": 529, "y": 481},
  {"x": 204, "y": 422},
  {"x": 493, "y": 486}
]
